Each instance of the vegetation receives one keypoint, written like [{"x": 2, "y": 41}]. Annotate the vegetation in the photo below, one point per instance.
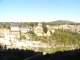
[
  {"x": 60, "y": 38},
  {"x": 24, "y": 24},
  {"x": 33, "y": 35},
  {"x": 6, "y": 25},
  {"x": 66, "y": 37},
  {"x": 22, "y": 36},
  {"x": 44, "y": 27}
]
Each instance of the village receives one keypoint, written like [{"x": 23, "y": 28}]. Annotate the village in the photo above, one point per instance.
[{"x": 10, "y": 37}]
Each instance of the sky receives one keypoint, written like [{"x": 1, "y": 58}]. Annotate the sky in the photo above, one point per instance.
[{"x": 39, "y": 10}]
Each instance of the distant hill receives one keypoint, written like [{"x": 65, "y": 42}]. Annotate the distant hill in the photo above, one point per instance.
[{"x": 63, "y": 22}]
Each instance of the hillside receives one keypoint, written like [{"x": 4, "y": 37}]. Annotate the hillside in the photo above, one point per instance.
[
  {"x": 62, "y": 39},
  {"x": 63, "y": 22}
]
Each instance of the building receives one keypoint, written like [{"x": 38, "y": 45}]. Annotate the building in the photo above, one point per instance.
[
  {"x": 39, "y": 30},
  {"x": 52, "y": 30},
  {"x": 1, "y": 24},
  {"x": 14, "y": 27},
  {"x": 25, "y": 29},
  {"x": 14, "y": 31}
]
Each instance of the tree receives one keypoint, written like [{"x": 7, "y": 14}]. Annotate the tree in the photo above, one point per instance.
[
  {"x": 31, "y": 24},
  {"x": 7, "y": 25},
  {"x": 66, "y": 41},
  {"x": 44, "y": 27},
  {"x": 22, "y": 36},
  {"x": 23, "y": 24}
]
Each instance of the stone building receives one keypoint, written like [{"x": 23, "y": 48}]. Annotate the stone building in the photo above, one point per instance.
[{"x": 38, "y": 30}]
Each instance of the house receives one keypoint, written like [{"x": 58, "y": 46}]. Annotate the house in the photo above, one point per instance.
[
  {"x": 1, "y": 24},
  {"x": 52, "y": 30},
  {"x": 25, "y": 29},
  {"x": 15, "y": 31},
  {"x": 39, "y": 30},
  {"x": 14, "y": 27}
]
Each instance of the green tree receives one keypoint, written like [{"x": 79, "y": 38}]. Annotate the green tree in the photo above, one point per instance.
[
  {"x": 31, "y": 24},
  {"x": 66, "y": 41},
  {"x": 23, "y": 24},
  {"x": 7, "y": 25},
  {"x": 44, "y": 27},
  {"x": 22, "y": 36}
]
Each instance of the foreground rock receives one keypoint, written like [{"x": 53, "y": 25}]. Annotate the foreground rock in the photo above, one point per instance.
[
  {"x": 20, "y": 54},
  {"x": 66, "y": 55}
]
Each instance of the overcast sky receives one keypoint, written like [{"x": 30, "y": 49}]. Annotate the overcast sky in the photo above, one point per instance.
[{"x": 39, "y": 10}]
